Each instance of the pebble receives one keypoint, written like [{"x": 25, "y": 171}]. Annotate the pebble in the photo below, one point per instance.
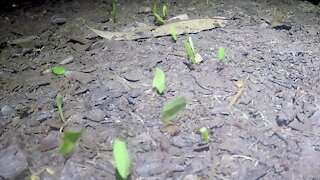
[
  {"x": 134, "y": 93},
  {"x": 191, "y": 177},
  {"x": 89, "y": 139},
  {"x": 67, "y": 60},
  {"x": 12, "y": 162},
  {"x": 58, "y": 20},
  {"x": 96, "y": 115},
  {"x": 81, "y": 77},
  {"x": 51, "y": 141},
  {"x": 178, "y": 141},
  {"x": 166, "y": 167},
  {"x": 8, "y": 111},
  {"x": 164, "y": 143},
  {"x": 315, "y": 118},
  {"x": 99, "y": 95},
  {"x": 133, "y": 76},
  {"x": 197, "y": 165},
  {"x": 44, "y": 116}
]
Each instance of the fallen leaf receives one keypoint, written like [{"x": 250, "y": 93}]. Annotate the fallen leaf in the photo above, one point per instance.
[
  {"x": 183, "y": 27},
  {"x": 236, "y": 97},
  {"x": 189, "y": 26}
]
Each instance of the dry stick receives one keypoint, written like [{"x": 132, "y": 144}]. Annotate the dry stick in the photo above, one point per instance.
[{"x": 236, "y": 97}]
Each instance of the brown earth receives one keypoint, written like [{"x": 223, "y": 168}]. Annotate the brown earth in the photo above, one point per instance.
[{"x": 272, "y": 62}]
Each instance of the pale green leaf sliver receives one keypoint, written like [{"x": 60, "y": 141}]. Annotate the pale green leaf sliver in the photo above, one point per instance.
[
  {"x": 122, "y": 158},
  {"x": 191, "y": 44},
  {"x": 173, "y": 108},
  {"x": 189, "y": 51},
  {"x": 221, "y": 53},
  {"x": 173, "y": 32},
  {"x": 59, "y": 99},
  {"x": 165, "y": 11},
  {"x": 159, "y": 80},
  {"x": 205, "y": 134}
]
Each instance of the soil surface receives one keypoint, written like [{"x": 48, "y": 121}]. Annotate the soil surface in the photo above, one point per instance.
[{"x": 261, "y": 104}]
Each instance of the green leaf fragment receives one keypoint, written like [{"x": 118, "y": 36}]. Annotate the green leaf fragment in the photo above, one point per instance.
[
  {"x": 173, "y": 108},
  {"x": 221, "y": 54},
  {"x": 173, "y": 32},
  {"x": 159, "y": 80},
  {"x": 59, "y": 100},
  {"x": 58, "y": 70},
  {"x": 191, "y": 44},
  {"x": 122, "y": 158},
  {"x": 165, "y": 11},
  {"x": 189, "y": 51},
  {"x": 114, "y": 9},
  {"x": 159, "y": 18},
  {"x": 204, "y": 134},
  {"x": 156, "y": 15},
  {"x": 69, "y": 140}
]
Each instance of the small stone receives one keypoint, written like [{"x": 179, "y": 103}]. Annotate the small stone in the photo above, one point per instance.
[
  {"x": 8, "y": 111},
  {"x": 51, "y": 141},
  {"x": 96, "y": 115},
  {"x": 67, "y": 60},
  {"x": 44, "y": 116},
  {"x": 164, "y": 143},
  {"x": 133, "y": 76},
  {"x": 12, "y": 162},
  {"x": 99, "y": 95},
  {"x": 134, "y": 93},
  {"x": 89, "y": 139},
  {"x": 197, "y": 165},
  {"x": 191, "y": 177},
  {"x": 282, "y": 119},
  {"x": 178, "y": 141},
  {"x": 83, "y": 78},
  {"x": 315, "y": 118},
  {"x": 58, "y": 20}
]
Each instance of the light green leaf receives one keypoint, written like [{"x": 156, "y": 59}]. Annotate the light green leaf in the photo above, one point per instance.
[
  {"x": 191, "y": 44},
  {"x": 69, "y": 140},
  {"x": 189, "y": 51},
  {"x": 173, "y": 32},
  {"x": 204, "y": 134},
  {"x": 173, "y": 108},
  {"x": 58, "y": 70},
  {"x": 59, "y": 100},
  {"x": 165, "y": 11},
  {"x": 159, "y": 80},
  {"x": 114, "y": 9},
  {"x": 221, "y": 54},
  {"x": 122, "y": 158}
]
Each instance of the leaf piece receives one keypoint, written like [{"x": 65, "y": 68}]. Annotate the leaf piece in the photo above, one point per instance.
[
  {"x": 165, "y": 11},
  {"x": 221, "y": 54},
  {"x": 58, "y": 70},
  {"x": 156, "y": 15},
  {"x": 189, "y": 51},
  {"x": 204, "y": 134},
  {"x": 173, "y": 108},
  {"x": 121, "y": 157},
  {"x": 159, "y": 80},
  {"x": 69, "y": 140},
  {"x": 173, "y": 32},
  {"x": 59, "y": 100}
]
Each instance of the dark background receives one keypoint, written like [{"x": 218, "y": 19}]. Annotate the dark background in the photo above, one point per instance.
[{"x": 8, "y": 5}]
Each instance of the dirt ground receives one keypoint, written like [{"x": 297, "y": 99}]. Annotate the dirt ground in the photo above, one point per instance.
[{"x": 272, "y": 131}]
